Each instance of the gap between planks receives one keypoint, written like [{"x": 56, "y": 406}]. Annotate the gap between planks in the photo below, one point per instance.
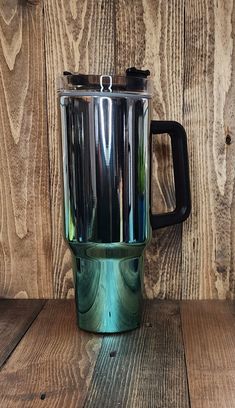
[{"x": 16, "y": 317}]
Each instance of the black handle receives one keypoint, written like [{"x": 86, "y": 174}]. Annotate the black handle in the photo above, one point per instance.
[{"x": 181, "y": 174}]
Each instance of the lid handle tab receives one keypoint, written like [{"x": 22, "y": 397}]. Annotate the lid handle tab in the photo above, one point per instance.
[{"x": 104, "y": 84}]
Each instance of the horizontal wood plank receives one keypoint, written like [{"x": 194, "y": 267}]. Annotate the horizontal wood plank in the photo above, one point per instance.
[
  {"x": 209, "y": 339},
  {"x": 53, "y": 363},
  {"x": 57, "y": 365},
  {"x": 16, "y": 316},
  {"x": 145, "y": 367}
]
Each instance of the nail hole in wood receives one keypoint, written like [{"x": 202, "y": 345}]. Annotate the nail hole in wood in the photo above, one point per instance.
[
  {"x": 228, "y": 140},
  {"x": 112, "y": 354},
  {"x": 43, "y": 396}
]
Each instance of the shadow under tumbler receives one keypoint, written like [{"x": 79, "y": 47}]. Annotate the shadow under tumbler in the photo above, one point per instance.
[{"x": 106, "y": 148}]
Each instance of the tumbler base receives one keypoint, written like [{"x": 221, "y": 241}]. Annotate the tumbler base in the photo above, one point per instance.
[{"x": 108, "y": 293}]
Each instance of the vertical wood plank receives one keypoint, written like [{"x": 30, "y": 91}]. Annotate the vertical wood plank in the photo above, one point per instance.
[
  {"x": 79, "y": 36},
  {"x": 150, "y": 34},
  {"x": 145, "y": 367},
  {"x": 52, "y": 366},
  {"x": 209, "y": 97},
  {"x": 209, "y": 340},
  {"x": 25, "y": 222}
]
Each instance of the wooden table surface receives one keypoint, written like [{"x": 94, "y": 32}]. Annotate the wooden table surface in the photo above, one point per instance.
[{"x": 182, "y": 356}]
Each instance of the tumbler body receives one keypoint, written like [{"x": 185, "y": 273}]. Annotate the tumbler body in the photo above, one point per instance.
[{"x": 106, "y": 176}]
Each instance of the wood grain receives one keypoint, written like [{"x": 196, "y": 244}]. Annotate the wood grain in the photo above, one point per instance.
[
  {"x": 79, "y": 36},
  {"x": 57, "y": 365},
  {"x": 53, "y": 364},
  {"x": 209, "y": 96},
  {"x": 25, "y": 232},
  {"x": 145, "y": 367},
  {"x": 209, "y": 339},
  {"x": 189, "y": 48},
  {"x": 16, "y": 316}
]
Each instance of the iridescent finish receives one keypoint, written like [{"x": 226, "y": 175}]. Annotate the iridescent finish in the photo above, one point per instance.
[{"x": 105, "y": 145}]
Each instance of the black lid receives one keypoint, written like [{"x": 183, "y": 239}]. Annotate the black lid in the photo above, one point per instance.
[{"x": 135, "y": 81}]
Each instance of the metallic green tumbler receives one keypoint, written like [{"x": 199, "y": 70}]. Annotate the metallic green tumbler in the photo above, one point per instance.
[{"x": 106, "y": 145}]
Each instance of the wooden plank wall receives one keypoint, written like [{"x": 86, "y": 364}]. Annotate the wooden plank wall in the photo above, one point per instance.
[{"x": 189, "y": 48}]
